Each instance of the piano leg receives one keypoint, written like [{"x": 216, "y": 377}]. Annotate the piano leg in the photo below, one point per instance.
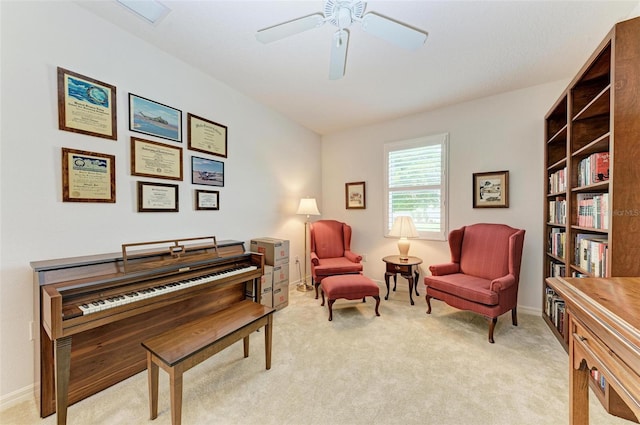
[{"x": 63, "y": 363}]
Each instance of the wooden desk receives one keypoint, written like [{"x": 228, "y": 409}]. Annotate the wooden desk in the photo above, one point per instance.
[{"x": 604, "y": 334}]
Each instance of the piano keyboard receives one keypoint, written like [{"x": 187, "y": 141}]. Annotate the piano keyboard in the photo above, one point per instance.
[{"x": 118, "y": 300}]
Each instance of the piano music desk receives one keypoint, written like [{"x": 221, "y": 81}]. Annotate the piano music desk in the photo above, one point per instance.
[{"x": 179, "y": 349}]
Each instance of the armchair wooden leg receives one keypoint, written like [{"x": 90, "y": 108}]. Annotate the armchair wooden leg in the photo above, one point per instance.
[
  {"x": 514, "y": 317},
  {"x": 377, "y": 298},
  {"x": 428, "y": 298},
  {"x": 492, "y": 326},
  {"x": 316, "y": 284}
]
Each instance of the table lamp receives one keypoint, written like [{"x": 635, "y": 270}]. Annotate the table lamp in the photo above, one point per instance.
[
  {"x": 403, "y": 228},
  {"x": 308, "y": 206}
]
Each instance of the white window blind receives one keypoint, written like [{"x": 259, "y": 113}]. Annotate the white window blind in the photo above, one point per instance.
[{"x": 416, "y": 177}]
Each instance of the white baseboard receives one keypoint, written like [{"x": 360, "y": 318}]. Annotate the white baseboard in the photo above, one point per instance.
[{"x": 17, "y": 396}]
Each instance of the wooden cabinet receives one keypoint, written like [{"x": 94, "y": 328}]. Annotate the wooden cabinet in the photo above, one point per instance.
[{"x": 592, "y": 174}]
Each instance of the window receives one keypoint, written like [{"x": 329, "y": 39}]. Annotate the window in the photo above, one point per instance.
[{"x": 416, "y": 178}]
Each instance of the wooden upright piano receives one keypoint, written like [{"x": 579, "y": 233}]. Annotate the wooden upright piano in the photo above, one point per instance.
[
  {"x": 94, "y": 311},
  {"x": 604, "y": 336}
]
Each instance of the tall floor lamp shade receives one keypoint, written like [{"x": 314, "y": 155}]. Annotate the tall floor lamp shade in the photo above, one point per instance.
[
  {"x": 403, "y": 228},
  {"x": 308, "y": 207}
]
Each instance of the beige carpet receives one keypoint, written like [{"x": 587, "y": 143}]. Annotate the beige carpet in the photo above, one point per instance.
[{"x": 403, "y": 367}]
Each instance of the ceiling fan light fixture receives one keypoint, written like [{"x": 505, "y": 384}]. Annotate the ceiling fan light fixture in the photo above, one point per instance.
[{"x": 342, "y": 14}]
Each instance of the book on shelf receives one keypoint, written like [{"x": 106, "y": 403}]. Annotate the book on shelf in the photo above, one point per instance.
[
  {"x": 557, "y": 242},
  {"x": 557, "y": 269},
  {"x": 558, "y": 181},
  {"x": 558, "y": 210},
  {"x": 593, "y": 210},
  {"x": 593, "y": 169},
  {"x": 591, "y": 254}
]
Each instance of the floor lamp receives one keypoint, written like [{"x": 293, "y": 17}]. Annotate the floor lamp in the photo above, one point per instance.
[{"x": 307, "y": 207}]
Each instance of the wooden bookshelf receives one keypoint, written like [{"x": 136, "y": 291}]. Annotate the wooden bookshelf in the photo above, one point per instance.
[{"x": 599, "y": 112}]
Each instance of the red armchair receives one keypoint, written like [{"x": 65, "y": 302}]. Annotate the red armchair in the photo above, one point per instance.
[
  {"x": 483, "y": 274},
  {"x": 331, "y": 251}
]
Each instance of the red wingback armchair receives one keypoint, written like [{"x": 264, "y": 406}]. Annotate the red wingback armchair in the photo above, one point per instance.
[
  {"x": 483, "y": 274},
  {"x": 331, "y": 251}
]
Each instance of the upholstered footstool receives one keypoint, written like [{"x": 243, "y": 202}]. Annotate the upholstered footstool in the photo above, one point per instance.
[{"x": 350, "y": 287}]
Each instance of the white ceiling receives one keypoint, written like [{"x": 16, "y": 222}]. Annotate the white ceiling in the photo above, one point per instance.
[{"x": 474, "y": 49}]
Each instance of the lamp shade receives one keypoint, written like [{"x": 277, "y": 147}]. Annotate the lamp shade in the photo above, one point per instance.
[
  {"x": 403, "y": 227},
  {"x": 308, "y": 207}
]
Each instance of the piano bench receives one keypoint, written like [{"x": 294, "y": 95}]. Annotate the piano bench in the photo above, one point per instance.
[{"x": 179, "y": 349}]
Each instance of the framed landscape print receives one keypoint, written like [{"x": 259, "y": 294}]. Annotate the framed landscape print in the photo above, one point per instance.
[
  {"x": 491, "y": 190},
  {"x": 86, "y": 106},
  {"x": 153, "y": 159},
  {"x": 157, "y": 197},
  {"x": 206, "y": 136},
  {"x": 155, "y": 119},
  {"x": 355, "y": 196},
  {"x": 207, "y": 171},
  {"x": 207, "y": 200},
  {"x": 88, "y": 176}
]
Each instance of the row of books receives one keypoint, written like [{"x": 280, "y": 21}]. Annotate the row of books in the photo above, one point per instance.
[
  {"x": 558, "y": 210},
  {"x": 555, "y": 309},
  {"x": 593, "y": 210},
  {"x": 557, "y": 242},
  {"x": 593, "y": 169},
  {"x": 557, "y": 269},
  {"x": 557, "y": 181},
  {"x": 591, "y": 254}
]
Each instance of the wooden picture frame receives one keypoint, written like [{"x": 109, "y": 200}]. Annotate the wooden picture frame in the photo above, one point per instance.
[
  {"x": 207, "y": 171},
  {"x": 491, "y": 189},
  {"x": 157, "y": 197},
  {"x": 207, "y": 200},
  {"x": 86, "y": 106},
  {"x": 153, "y": 159},
  {"x": 206, "y": 136},
  {"x": 153, "y": 118},
  {"x": 355, "y": 196},
  {"x": 88, "y": 176}
]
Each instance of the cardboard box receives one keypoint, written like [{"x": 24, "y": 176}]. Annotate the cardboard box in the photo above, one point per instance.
[
  {"x": 266, "y": 281},
  {"x": 276, "y": 251},
  {"x": 280, "y": 274},
  {"x": 280, "y": 296},
  {"x": 267, "y": 297}
]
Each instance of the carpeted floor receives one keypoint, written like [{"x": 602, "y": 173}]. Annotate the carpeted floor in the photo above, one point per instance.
[{"x": 403, "y": 367}]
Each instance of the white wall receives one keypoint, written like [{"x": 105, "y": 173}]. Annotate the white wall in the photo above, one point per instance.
[
  {"x": 503, "y": 132},
  {"x": 271, "y": 162}
]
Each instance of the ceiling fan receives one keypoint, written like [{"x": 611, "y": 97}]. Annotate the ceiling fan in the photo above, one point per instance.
[{"x": 342, "y": 14}]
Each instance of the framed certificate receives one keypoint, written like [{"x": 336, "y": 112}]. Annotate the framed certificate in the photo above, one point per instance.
[
  {"x": 86, "y": 105},
  {"x": 153, "y": 159},
  {"x": 206, "y": 136},
  {"x": 88, "y": 176},
  {"x": 157, "y": 197},
  {"x": 207, "y": 200}
]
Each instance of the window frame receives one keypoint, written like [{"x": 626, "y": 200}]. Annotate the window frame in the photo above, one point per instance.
[{"x": 441, "y": 139}]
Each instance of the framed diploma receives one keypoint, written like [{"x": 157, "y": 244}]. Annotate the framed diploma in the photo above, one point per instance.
[
  {"x": 156, "y": 119},
  {"x": 207, "y": 200},
  {"x": 88, "y": 176},
  {"x": 157, "y": 197},
  {"x": 153, "y": 159},
  {"x": 206, "y": 136},
  {"x": 207, "y": 171},
  {"x": 86, "y": 105}
]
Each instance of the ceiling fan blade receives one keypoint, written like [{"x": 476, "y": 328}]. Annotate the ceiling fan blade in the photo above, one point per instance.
[
  {"x": 338, "y": 59},
  {"x": 392, "y": 31},
  {"x": 286, "y": 29}
]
